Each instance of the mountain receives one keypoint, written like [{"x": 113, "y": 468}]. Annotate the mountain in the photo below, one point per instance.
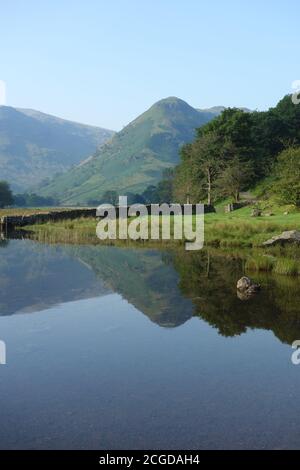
[
  {"x": 42, "y": 276},
  {"x": 135, "y": 157},
  {"x": 145, "y": 278},
  {"x": 35, "y": 146},
  {"x": 216, "y": 110}
]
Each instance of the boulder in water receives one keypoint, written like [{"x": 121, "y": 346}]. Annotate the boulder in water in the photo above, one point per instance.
[{"x": 246, "y": 288}]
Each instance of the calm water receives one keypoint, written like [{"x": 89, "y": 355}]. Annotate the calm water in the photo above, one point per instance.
[{"x": 120, "y": 348}]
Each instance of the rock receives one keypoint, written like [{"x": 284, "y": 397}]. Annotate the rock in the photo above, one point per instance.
[
  {"x": 268, "y": 214},
  {"x": 235, "y": 205},
  {"x": 244, "y": 295},
  {"x": 286, "y": 213},
  {"x": 256, "y": 212},
  {"x": 289, "y": 236},
  {"x": 243, "y": 283},
  {"x": 246, "y": 288}
]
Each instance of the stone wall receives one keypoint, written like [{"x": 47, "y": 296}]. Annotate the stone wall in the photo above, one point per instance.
[
  {"x": 9, "y": 222},
  {"x": 236, "y": 205}
]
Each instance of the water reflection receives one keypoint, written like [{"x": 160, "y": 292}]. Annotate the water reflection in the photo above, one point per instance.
[
  {"x": 210, "y": 281},
  {"x": 34, "y": 277},
  {"x": 92, "y": 372},
  {"x": 168, "y": 287}
]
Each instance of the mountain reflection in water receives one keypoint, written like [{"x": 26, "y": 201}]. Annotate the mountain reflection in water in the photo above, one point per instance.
[{"x": 168, "y": 287}]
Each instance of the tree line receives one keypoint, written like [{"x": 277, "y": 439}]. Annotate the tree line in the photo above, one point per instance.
[
  {"x": 7, "y": 198},
  {"x": 236, "y": 150},
  {"x": 230, "y": 154},
  {"x": 153, "y": 194}
]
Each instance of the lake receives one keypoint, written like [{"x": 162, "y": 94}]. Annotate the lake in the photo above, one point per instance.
[{"x": 118, "y": 348}]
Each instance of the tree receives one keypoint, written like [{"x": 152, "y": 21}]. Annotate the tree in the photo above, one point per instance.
[
  {"x": 161, "y": 193},
  {"x": 206, "y": 163},
  {"x": 287, "y": 176},
  {"x": 150, "y": 194},
  {"x": 200, "y": 163},
  {"x": 33, "y": 200},
  {"x": 252, "y": 138},
  {"x": 6, "y": 196},
  {"x": 164, "y": 188},
  {"x": 134, "y": 198},
  {"x": 110, "y": 197},
  {"x": 183, "y": 189},
  {"x": 234, "y": 177}
]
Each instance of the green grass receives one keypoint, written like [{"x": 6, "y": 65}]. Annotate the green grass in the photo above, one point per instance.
[
  {"x": 234, "y": 230},
  {"x": 30, "y": 211},
  {"x": 239, "y": 229},
  {"x": 82, "y": 230},
  {"x": 235, "y": 234},
  {"x": 263, "y": 263},
  {"x": 289, "y": 267}
]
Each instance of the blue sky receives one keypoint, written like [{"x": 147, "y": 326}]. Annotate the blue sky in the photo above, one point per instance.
[{"x": 104, "y": 62}]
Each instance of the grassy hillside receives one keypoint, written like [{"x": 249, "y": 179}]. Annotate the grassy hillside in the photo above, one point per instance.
[
  {"x": 35, "y": 146},
  {"x": 135, "y": 157}
]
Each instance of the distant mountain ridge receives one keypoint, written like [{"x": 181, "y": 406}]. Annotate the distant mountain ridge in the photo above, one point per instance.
[
  {"x": 216, "y": 110},
  {"x": 35, "y": 145},
  {"x": 135, "y": 157}
]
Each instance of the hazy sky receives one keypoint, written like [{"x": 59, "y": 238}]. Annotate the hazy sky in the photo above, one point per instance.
[{"x": 103, "y": 62}]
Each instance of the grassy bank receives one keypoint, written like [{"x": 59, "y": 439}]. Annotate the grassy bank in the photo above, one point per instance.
[
  {"x": 234, "y": 230},
  {"x": 30, "y": 211},
  {"x": 235, "y": 234},
  {"x": 288, "y": 264},
  {"x": 239, "y": 229}
]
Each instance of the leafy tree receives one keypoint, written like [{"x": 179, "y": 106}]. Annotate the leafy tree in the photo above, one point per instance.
[
  {"x": 161, "y": 193},
  {"x": 183, "y": 189},
  {"x": 234, "y": 177},
  {"x": 6, "y": 196},
  {"x": 253, "y": 137},
  {"x": 110, "y": 197},
  {"x": 206, "y": 162},
  {"x": 33, "y": 200},
  {"x": 165, "y": 186},
  {"x": 150, "y": 194},
  {"x": 200, "y": 166},
  {"x": 134, "y": 198},
  {"x": 287, "y": 176}
]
